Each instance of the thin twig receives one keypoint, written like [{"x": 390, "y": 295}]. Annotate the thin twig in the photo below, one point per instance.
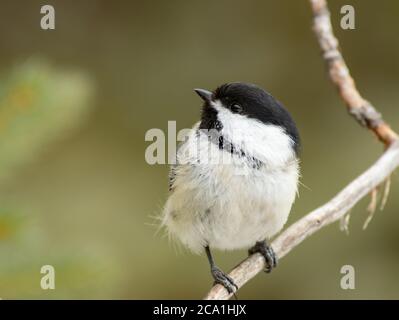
[
  {"x": 358, "y": 107},
  {"x": 344, "y": 223},
  {"x": 371, "y": 207},
  {"x": 385, "y": 195},
  {"x": 337, "y": 207}
]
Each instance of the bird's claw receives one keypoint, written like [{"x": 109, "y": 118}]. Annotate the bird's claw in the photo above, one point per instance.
[
  {"x": 221, "y": 278},
  {"x": 267, "y": 252}
]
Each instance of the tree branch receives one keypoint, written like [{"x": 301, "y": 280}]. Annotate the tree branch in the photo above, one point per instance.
[
  {"x": 337, "y": 207},
  {"x": 358, "y": 107},
  {"x": 328, "y": 213}
]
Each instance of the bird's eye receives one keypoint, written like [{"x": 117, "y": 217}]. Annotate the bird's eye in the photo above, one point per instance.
[{"x": 235, "y": 107}]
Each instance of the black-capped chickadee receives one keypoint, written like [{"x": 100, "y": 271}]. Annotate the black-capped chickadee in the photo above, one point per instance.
[{"x": 235, "y": 177}]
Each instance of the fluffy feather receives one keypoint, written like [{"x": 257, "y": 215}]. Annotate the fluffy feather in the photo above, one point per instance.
[{"x": 218, "y": 198}]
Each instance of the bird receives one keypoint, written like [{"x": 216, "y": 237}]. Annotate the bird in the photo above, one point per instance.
[{"x": 235, "y": 176}]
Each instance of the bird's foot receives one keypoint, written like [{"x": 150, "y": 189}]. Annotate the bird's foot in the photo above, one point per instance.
[
  {"x": 267, "y": 252},
  {"x": 226, "y": 281}
]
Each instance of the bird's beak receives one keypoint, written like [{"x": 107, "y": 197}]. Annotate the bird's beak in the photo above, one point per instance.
[{"x": 204, "y": 94}]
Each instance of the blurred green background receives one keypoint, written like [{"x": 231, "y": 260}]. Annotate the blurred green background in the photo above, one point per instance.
[{"x": 75, "y": 103}]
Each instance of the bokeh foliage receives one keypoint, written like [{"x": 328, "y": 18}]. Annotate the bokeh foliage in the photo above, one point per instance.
[{"x": 39, "y": 105}]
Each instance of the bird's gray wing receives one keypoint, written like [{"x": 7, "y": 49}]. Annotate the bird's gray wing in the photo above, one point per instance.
[
  {"x": 172, "y": 176},
  {"x": 173, "y": 167}
]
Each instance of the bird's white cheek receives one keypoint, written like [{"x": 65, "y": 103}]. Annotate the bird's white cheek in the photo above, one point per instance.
[{"x": 267, "y": 142}]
